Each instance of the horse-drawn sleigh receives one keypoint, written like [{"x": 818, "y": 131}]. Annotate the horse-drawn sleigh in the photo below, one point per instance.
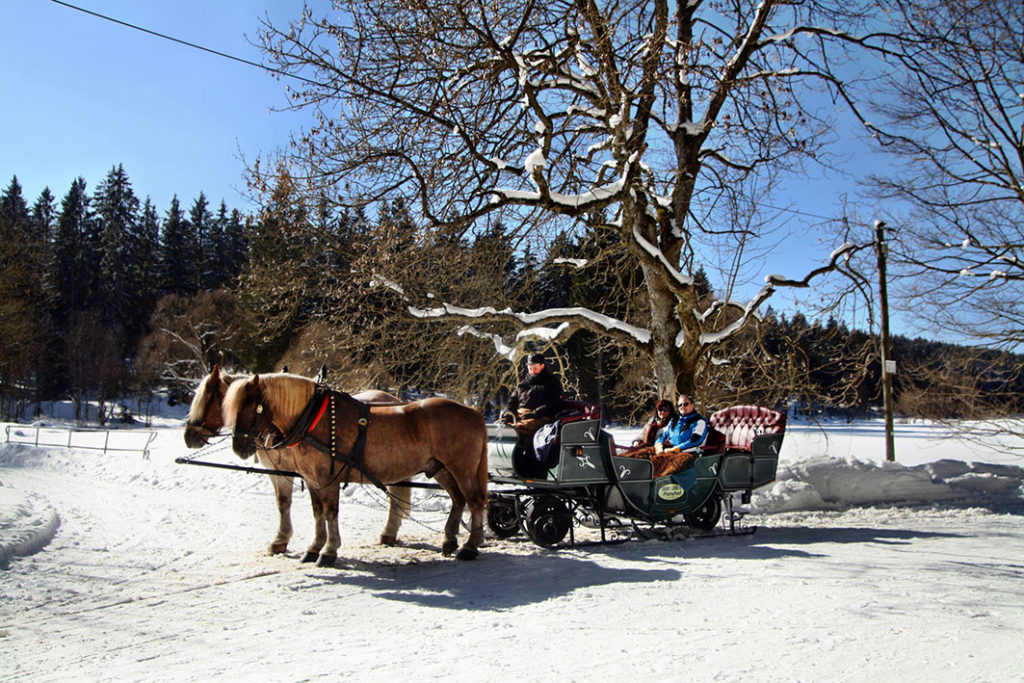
[
  {"x": 590, "y": 481},
  {"x": 291, "y": 422}
]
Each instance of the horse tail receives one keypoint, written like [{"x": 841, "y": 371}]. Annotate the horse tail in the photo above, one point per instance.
[{"x": 482, "y": 475}]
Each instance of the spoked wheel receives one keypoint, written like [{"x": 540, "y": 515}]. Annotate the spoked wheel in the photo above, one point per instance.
[
  {"x": 503, "y": 517},
  {"x": 707, "y": 515},
  {"x": 547, "y": 520}
]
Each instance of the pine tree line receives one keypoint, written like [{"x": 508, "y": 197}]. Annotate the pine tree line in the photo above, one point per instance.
[
  {"x": 84, "y": 274},
  {"x": 103, "y": 296}
]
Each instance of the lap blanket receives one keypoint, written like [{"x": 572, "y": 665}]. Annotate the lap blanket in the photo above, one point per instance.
[{"x": 666, "y": 462}]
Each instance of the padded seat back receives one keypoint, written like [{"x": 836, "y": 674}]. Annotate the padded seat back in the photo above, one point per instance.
[{"x": 740, "y": 424}]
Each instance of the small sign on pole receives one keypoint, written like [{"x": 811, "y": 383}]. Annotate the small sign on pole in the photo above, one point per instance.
[{"x": 890, "y": 367}]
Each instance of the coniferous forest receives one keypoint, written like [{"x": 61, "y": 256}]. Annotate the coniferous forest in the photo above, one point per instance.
[{"x": 105, "y": 297}]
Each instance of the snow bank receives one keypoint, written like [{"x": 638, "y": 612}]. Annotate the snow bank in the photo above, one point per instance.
[
  {"x": 27, "y": 523},
  {"x": 826, "y": 483}
]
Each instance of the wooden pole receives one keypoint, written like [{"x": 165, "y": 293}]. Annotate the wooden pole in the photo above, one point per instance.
[{"x": 888, "y": 364}]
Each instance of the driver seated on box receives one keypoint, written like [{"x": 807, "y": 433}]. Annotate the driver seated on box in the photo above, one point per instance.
[
  {"x": 533, "y": 404},
  {"x": 676, "y": 449}
]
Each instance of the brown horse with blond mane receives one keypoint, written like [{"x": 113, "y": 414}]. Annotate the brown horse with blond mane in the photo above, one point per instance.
[
  {"x": 206, "y": 419},
  {"x": 378, "y": 444}
]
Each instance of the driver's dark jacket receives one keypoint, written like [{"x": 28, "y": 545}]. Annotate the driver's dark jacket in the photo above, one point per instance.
[{"x": 541, "y": 394}]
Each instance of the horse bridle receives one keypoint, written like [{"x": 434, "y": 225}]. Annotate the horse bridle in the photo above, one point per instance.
[
  {"x": 201, "y": 426},
  {"x": 256, "y": 433}
]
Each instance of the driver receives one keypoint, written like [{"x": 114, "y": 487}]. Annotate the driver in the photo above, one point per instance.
[{"x": 533, "y": 404}]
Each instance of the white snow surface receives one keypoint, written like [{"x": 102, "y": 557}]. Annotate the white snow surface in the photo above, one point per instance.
[{"x": 116, "y": 567}]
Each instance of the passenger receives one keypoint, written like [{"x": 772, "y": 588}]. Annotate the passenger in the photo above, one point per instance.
[
  {"x": 663, "y": 414},
  {"x": 675, "y": 449},
  {"x": 533, "y": 404}
]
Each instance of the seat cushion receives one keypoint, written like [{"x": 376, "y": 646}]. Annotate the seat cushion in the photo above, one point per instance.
[{"x": 740, "y": 424}]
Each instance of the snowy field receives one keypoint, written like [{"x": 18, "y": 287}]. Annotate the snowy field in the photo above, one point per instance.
[{"x": 116, "y": 567}]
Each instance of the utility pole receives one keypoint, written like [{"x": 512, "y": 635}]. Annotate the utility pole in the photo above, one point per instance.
[{"x": 888, "y": 364}]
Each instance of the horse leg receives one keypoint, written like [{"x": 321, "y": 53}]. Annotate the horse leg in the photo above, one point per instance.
[
  {"x": 474, "y": 489},
  {"x": 319, "y": 526},
  {"x": 283, "y": 493},
  {"x": 399, "y": 504},
  {"x": 451, "y": 528},
  {"x": 329, "y": 502}
]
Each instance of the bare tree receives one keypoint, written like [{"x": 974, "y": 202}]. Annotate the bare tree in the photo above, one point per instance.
[
  {"x": 641, "y": 118},
  {"x": 189, "y": 335},
  {"x": 953, "y": 112}
]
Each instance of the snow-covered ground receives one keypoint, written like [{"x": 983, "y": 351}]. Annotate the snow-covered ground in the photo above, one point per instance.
[{"x": 117, "y": 567}]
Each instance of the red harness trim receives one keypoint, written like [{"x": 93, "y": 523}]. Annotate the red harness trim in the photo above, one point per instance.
[{"x": 316, "y": 420}]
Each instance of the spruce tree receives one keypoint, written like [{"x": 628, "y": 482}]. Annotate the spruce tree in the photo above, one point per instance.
[
  {"x": 18, "y": 289},
  {"x": 200, "y": 222},
  {"x": 72, "y": 273},
  {"x": 117, "y": 211},
  {"x": 176, "y": 248},
  {"x": 237, "y": 246}
]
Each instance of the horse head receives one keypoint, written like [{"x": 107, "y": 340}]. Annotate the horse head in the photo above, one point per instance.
[
  {"x": 251, "y": 419},
  {"x": 205, "y": 416}
]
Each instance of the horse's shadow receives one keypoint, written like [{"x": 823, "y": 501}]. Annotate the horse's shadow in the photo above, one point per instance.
[
  {"x": 502, "y": 579},
  {"x": 520, "y": 580}
]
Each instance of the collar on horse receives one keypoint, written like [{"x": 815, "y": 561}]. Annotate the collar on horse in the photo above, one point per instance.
[{"x": 324, "y": 401}]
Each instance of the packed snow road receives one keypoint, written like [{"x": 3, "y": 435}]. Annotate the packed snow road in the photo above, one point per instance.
[{"x": 158, "y": 572}]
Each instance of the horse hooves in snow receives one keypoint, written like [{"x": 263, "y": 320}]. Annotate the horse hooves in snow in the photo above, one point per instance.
[
  {"x": 467, "y": 553},
  {"x": 449, "y": 547},
  {"x": 310, "y": 557},
  {"x": 386, "y": 539},
  {"x": 326, "y": 560},
  {"x": 277, "y": 548}
]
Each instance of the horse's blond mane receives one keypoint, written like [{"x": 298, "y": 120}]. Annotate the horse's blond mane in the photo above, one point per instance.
[
  {"x": 286, "y": 395},
  {"x": 198, "y": 403}
]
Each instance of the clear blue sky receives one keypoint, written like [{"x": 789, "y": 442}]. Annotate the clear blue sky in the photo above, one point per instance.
[{"x": 82, "y": 94}]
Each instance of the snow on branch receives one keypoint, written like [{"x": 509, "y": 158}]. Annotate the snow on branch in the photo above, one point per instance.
[
  {"x": 656, "y": 254},
  {"x": 570, "y": 317}
]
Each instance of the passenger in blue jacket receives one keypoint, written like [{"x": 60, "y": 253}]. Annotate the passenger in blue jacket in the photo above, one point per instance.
[
  {"x": 675, "y": 451},
  {"x": 688, "y": 430}
]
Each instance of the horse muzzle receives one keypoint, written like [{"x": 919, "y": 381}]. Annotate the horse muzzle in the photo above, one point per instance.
[
  {"x": 197, "y": 436},
  {"x": 244, "y": 445}
]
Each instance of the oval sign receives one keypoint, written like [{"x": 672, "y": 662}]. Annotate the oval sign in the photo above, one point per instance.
[{"x": 671, "y": 492}]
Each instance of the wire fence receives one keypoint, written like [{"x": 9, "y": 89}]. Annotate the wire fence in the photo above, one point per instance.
[{"x": 106, "y": 440}]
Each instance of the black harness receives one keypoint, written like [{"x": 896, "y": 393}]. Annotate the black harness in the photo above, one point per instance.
[{"x": 324, "y": 401}]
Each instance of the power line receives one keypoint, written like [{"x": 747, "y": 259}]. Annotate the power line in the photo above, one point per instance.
[{"x": 185, "y": 42}]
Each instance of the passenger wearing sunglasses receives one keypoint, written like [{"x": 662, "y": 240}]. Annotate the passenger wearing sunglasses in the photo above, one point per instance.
[
  {"x": 654, "y": 430},
  {"x": 674, "y": 451},
  {"x": 688, "y": 429}
]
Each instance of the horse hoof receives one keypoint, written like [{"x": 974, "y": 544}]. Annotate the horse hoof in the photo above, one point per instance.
[
  {"x": 449, "y": 547},
  {"x": 310, "y": 557},
  {"x": 277, "y": 548},
  {"x": 467, "y": 553},
  {"x": 326, "y": 560},
  {"x": 385, "y": 539}
]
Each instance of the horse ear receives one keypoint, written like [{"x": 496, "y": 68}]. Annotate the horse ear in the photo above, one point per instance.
[
  {"x": 256, "y": 381},
  {"x": 214, "y": 373}
]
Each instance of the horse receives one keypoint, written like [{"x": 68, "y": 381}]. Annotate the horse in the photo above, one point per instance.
[
  {"x": 378, "y": 444},
  {"x": 205, "y": 420}
]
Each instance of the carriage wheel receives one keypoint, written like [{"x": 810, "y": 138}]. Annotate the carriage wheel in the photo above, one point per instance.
[
  {"x": 707, "y": 515},
  {"x": 547, "y": 521},
  {"x": 503, "y": 517}
]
